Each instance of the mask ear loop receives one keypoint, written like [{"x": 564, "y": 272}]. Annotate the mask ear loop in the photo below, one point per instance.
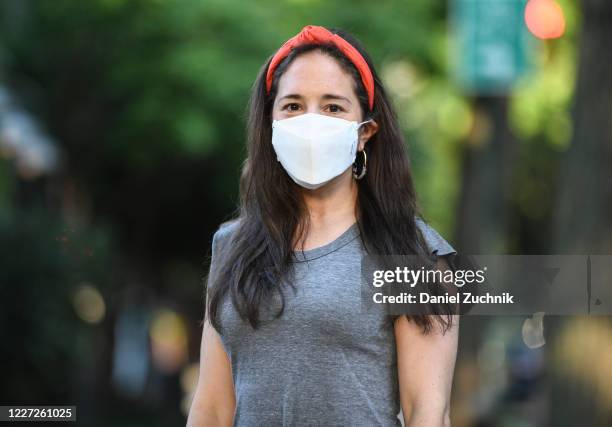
[
  {"x": 367, "y": 121},
  {"x": 359, "y": 124}
]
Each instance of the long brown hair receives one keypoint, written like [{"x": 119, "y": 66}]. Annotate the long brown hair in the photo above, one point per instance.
[{"x": 272, "y": 210}]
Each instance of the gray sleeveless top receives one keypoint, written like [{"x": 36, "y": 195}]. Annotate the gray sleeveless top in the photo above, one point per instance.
[{"x": 322, "y": 363}]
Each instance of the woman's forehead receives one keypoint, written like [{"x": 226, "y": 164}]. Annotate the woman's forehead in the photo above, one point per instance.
[{"x": 315, "y": 72}]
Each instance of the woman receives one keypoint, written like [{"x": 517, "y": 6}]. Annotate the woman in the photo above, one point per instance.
[{"x": 327, "y": 179}]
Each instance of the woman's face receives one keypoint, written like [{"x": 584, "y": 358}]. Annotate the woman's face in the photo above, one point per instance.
[{"x": 315, "y": 83}]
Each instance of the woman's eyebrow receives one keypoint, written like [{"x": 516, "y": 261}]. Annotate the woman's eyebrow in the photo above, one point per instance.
[
  {"x": 333, "y": 96},
  {"x": 326, "y": 96},
  {"x": 291, "y": 95}
]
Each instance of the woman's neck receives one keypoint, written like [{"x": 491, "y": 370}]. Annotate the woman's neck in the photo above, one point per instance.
[{"x": 331, "y": 210}]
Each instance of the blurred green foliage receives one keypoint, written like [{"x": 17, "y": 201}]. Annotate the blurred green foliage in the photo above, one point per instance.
[{"x": 42, "y": 264}]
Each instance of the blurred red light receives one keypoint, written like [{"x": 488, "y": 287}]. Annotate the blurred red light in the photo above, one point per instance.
[{"x": 545, "y": 19}]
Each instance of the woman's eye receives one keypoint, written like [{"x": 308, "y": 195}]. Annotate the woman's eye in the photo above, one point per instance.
[
  {"x": 335, "y": 108},
  {"x": 292, "y": 107}
]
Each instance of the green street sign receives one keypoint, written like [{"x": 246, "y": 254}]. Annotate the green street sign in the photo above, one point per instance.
[{"x": 490, "y": 46}]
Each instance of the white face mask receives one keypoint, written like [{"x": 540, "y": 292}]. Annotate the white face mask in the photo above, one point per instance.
[{"x": 314, "y": 148}]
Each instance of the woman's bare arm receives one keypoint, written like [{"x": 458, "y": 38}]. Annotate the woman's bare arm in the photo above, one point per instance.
[
  {"x": 425, "y": 367},
  {"x": 214, "y": 401}
]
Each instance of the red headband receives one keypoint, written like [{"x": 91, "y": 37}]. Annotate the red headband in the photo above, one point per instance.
[{"x": 320, "y": 35}]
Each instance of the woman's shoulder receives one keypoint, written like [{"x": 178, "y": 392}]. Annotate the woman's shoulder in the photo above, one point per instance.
[
  {"x": 226, "y": 229},
  {"x": 435, "y": 242},
  {"x": 223, "y": 235}
]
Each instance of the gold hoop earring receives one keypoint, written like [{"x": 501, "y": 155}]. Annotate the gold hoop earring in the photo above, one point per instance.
[{"x": 361, "y": 173}]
